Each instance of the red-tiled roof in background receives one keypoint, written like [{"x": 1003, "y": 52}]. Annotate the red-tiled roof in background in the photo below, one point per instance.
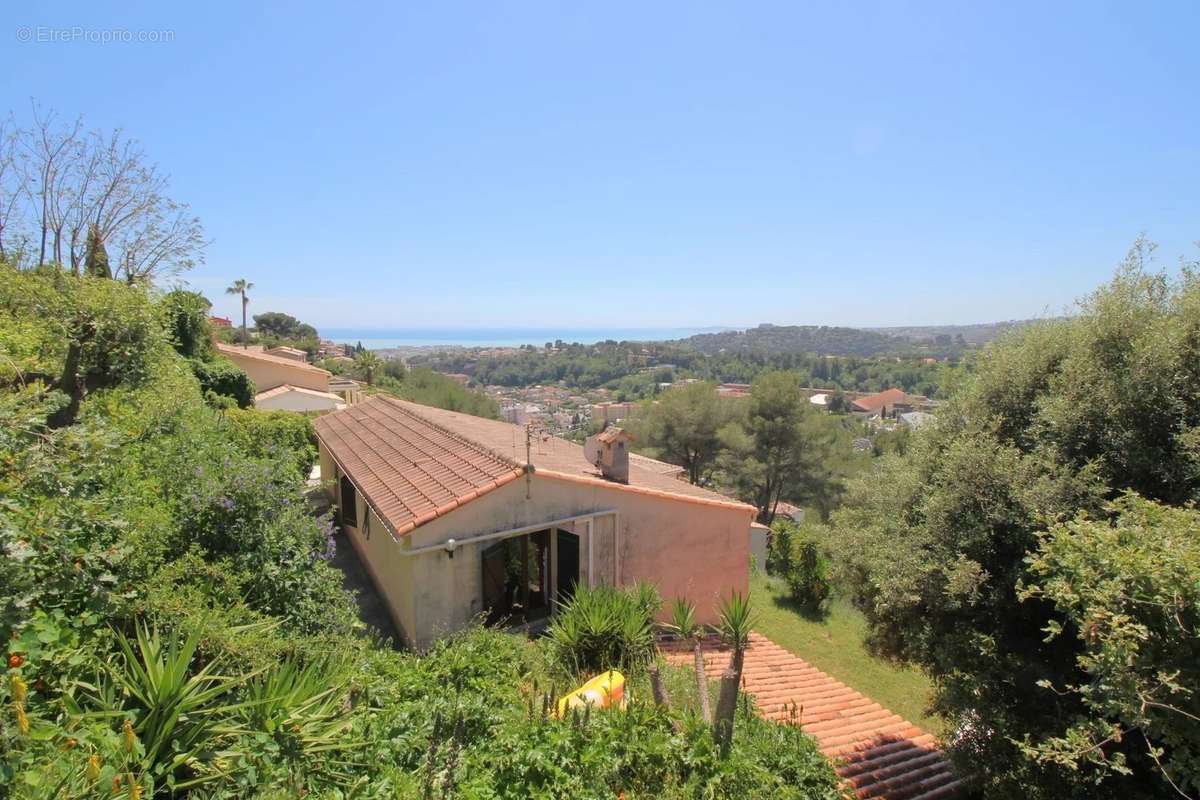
[{"x": 874, "y": 402}]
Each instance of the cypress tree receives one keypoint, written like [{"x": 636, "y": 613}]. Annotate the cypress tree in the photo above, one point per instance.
[{"x": 95, "y": 259}]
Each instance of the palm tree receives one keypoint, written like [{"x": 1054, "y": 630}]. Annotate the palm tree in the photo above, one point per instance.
[
  {"x": 736, "y": 621},
  {"x": 241, "y": 286},
  {"x": 683, "y": 619},
  {"x": 368, "y": 362}
]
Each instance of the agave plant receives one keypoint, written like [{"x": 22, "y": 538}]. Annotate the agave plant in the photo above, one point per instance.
[
  {"x": 602, "y": 628},
  {"x": 174, "y": 715},
  {"x": 302, "y": 708},
  {"x": 683, "y": 622}
]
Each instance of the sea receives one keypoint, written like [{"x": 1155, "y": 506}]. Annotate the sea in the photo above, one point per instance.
[{"x": 382, "y": 338}]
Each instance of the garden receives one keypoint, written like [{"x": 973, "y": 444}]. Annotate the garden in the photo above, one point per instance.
[{"x": 174, "y": 628}]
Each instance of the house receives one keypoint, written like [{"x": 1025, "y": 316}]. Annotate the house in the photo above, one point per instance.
[
  {"x": 297, "y": 398},
  {"x": 887, "y": 403},
  {"x": 615, "y": 412},
  {"x": 220, "y": 322},
  {"x": 458, "y": 517},
  {"x": 303, "y": 386},
  {"x": 733, "y": 390},
  {"x": 288, "y": 352}
]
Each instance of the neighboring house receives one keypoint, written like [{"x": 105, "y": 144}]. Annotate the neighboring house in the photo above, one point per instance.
[
  {"x": 304, "y": 387},
  {"x": 615, "y": 412},
  {"x": 289, "y": 353},
  {"x": 760, "y": 536},
  {"x": 454, "y": 520},
  {"x": 220, "y": 322},
  {"x": 786, "y": 509},
  {"x": 887, "y": 403},
  {"x": 297, "y": 398}
]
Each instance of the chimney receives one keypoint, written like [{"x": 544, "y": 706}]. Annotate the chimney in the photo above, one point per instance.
[{"x": 609, "y": 452}]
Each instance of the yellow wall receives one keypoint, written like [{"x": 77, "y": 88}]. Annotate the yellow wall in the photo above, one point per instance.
[{"x": 268, "y": 374}]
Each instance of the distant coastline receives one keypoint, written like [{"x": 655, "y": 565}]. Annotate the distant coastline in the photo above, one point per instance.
[{"x": 387, "y": 338}]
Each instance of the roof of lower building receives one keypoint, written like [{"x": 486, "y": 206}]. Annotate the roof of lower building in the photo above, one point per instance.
[
  {"x": 874, "y": 402},
  {"x": 257, "y": 354},
  {"x": 414, "y": 463},
  {"x": 287, "y": 388}
]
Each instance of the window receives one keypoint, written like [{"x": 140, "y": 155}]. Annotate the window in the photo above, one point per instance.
[{"x": 348, "y": 507}]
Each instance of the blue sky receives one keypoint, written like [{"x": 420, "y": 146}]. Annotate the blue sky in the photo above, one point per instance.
[{"x": 650, "y": 164}]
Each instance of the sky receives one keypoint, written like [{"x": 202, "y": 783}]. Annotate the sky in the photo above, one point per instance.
[{"x": 659, "y": 164}]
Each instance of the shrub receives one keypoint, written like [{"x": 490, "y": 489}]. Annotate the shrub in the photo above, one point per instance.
[
  {"x": 797, "y": 555},
  {"x": 603, "y": 628},
  {"x": 224, "y": 379},
  {"x": 275, "y": 435}
]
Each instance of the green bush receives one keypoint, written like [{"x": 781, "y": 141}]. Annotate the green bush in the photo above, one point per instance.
[
  {"x": 603, "y": 628},
  {"x": 797, "y": 555},
  {"x": 223, "y": 378},
  {"x": 275, "y": 435},
  {"x": 1056, "y": 420}
]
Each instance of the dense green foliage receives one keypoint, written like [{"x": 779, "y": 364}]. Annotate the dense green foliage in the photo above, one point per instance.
[
  {"x": 684, "y": 428},
  {"x": 958, "y": 554},
  {"x": 190, "y": 333},
  {"x": 173, "y": 627},
  {"x": 634, "y": 370},
  {"x": 603, "y": 628},
  {"x": 796, "y": 553},
  {"x": 420, "y": 385},
  {"x": 811, "y": 339},
  {"x": 1127, "y": 590},
  {"x": 778, "y": 447}
]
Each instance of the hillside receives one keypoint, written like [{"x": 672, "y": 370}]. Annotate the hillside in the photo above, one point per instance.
[
  {"x": 818, "y": 339},
  {"x": 975, "y": 334}
]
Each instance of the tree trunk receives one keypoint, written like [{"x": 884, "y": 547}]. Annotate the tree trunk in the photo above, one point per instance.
[
  {"x": 702, "y": 685},
  {"x": 72, "y": 383},
  {"x": 656, "y": 687},
  {"x": 726, "y": 709},
  {"x": 245, "y": 339}
]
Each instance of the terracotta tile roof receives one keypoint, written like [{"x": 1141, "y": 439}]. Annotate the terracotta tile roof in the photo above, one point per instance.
[
  {"x": 259, "y": 355},
  {"x": 612, "y": 434},
  {"x": 408, "y": 469},
  {"x": 878, "y": 754},
  {"x": 414, "y": 463},
  {"x": 559, "y": 458},
  {"x": 874, "y": 402}
]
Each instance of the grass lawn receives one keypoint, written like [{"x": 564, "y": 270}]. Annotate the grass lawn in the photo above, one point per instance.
[{"x": 834, "y": 645}]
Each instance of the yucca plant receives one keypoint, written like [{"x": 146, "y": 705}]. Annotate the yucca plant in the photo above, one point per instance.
[
  {"x": 302, "y": 708},
  {"x": 175, "y": 716},
  {"x": 737, "y": 619},
  {"x": 602, "y": 628},
  {"x": 683, "y": 622}
]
